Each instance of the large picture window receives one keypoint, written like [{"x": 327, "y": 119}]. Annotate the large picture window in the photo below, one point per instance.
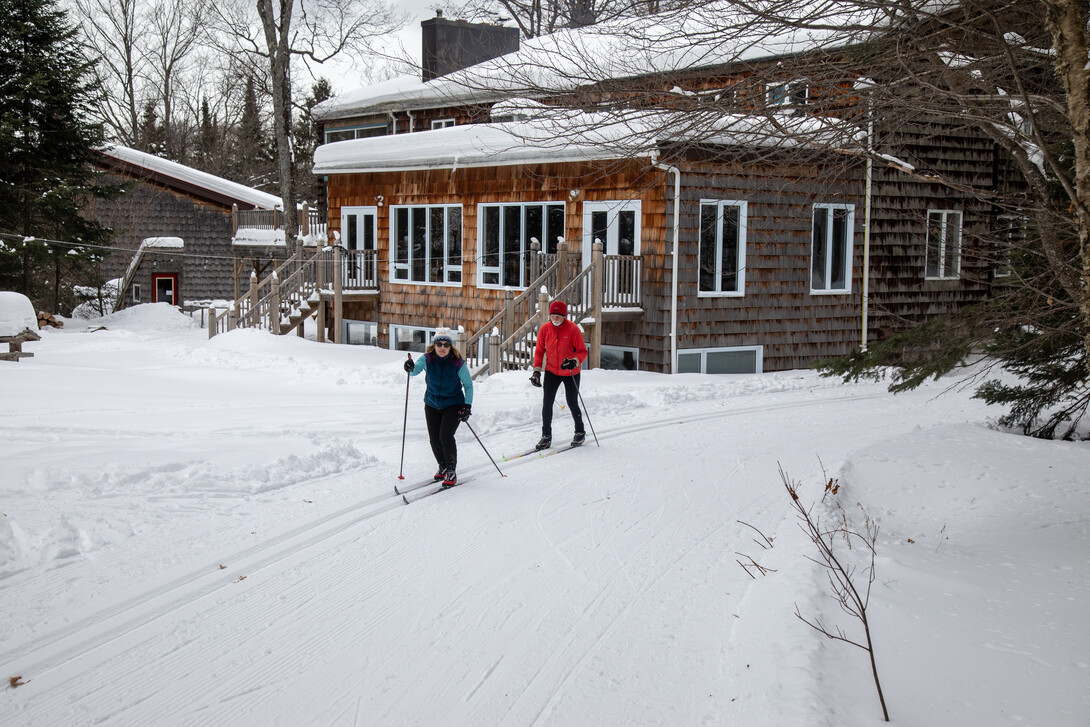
[
  {"x": 506, "y": 232},
  {"x": 831, "y": 248},
  {"x": 427, "y": 244},
  {"x": 722, "y": 248},
  {"x": 943, "y": 256}
]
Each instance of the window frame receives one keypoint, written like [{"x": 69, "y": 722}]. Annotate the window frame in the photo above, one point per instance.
[
  {"x": 443, "y": 123},
  {"x": 623, "y": 350},
  {"x": 758, "y": 360},
  {"x": 942, "y": 250},
  {"x": 849, "y": 248},
  {"x": 427, "y": 331},
  {"x": 452, "y": 272},
  {"x": 525, "y": 240},
  {"x": 740, "y": 248},
  {"x": 355, "y": 132}
]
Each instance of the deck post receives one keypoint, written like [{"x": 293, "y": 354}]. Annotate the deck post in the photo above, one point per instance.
[
  {"x": 598, "y": 275},
  {"x": 542, "y": 308},
  {"x": 561, "y": 265},
  {"x": 212, "y": 323},
  {"x": 510, "y": 325},
  {"x": 304, "y": 222},
  {"x": 274, "y": 306},
  {"x": 338, "y": 297},
  {"x": 234, "y": 220},
  {"x": 232, "y": 318},
  {"x": 255, "y": 300},
  {"x": 495, "y": 357},
  {"x": 535, "y": 258}
]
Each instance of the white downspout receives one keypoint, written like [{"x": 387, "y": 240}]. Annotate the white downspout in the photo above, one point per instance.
[
  {"x": 674, "y": 264},
  {"x": 393, "y": 122},
  {"x": 412, "y": 121},
  {"x": 866, "y": 223}
]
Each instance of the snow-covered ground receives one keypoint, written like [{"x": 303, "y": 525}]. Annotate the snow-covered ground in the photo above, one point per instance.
[{"x": 201, "y": 532}]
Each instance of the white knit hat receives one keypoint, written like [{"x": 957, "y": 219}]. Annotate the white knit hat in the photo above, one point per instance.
[{"x": 442, "y": 333}]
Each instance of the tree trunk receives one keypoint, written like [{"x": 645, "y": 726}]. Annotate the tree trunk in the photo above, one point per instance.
[
  {"x": 1067, "y": 21},
  {"x": 277, "y": 38}
]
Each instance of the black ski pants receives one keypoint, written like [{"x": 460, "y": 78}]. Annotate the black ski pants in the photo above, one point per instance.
[
  {"x": 442, "y": 424},
  {"x": 551, "y": 384}
]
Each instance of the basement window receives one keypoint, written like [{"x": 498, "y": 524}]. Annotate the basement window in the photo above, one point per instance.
[{"x": 731, "y": 360}]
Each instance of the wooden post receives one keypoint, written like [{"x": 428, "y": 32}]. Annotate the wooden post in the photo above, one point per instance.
[
  {"x": 535, "y": 258},
  {"x": 274, "y": 305},
  {"x": 212, "y": 322},
  {"x": 542, "y": 308},
  {"x": 304, "y": 222},
  {"x": 338, "y": 297},
  {"x": 510, "y": 325},
  {"x": 321, "y": 322},
  {"x": 234, "y": 220},
  {"x": 254, "y": 299},
  {"x": 232, "y": 318},
  {"x": 598, "y": 279},
  {"x": 495, "y": 356},
  {"x": 561, "y": 265}
]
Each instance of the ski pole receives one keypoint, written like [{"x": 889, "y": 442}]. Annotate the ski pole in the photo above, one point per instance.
[
  {"x": 405, "y": 422},
  {"x": 485, "y": 449},
  {"x": 584, "y": 405}
]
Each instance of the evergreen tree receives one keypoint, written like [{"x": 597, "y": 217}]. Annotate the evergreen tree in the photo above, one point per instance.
[
  {"x": 253, "y": 151},
  {"x": 305, "y": 140},
  {"x": 47, "y": 91}
]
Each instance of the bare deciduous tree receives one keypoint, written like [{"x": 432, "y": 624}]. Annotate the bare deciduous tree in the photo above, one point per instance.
[{"x": 279, "y": 34}]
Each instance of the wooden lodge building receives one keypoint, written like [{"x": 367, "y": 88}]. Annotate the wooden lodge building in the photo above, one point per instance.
[
  {"x": 179, "y": 229},
  {"x": 458, "y": 188}
]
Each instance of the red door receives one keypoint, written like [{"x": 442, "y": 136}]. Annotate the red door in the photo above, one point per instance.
[{"x": 165, "y": 288}]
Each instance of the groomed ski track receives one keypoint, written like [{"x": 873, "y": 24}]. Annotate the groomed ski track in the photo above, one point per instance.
[{"x": 577, "y": 555}]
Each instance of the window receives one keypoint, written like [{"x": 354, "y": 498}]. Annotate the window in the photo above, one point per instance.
[
  {"x": 620, "y": 358},
  {"x": 360, "y": 333},
  {"x": 136, "y": 292},
  {"x": 411, "y": 338},
  {"x": 441, "y": 123},
  {"x": 427, "y": 244},
  {"x": 1011, "y": 236},
  {"x": 942, "y": 260},
  {"x": 355, "y": 132},
  {"x": 722, "y": 248},
  {"x": 794, "y": 95},
  {"x": 831, "y": 248},
  {"x": 732, "y": 360},
  {"x": 506, "y": 232}
]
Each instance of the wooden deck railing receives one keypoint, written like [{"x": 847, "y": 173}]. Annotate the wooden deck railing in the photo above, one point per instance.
[
  {"x": 279, "y": 302},
  {"x": 507, "y": 341},
  {"x": 312, "y": 223}
]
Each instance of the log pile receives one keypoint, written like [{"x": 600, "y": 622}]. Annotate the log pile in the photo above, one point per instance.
[{"x": 47, "y": 319}]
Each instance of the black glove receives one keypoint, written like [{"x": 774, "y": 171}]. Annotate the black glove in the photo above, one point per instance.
[
  {"x": 465, "y": 412},
  {"x": 568, "y": 364},
  {"x": 535, "y": 378},
  {"x": 409, "y": 365}
]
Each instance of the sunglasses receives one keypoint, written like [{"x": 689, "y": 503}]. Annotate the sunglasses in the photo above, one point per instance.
[{"x": 442, "y": 344}]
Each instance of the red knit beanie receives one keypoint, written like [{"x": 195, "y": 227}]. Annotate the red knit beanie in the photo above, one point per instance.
[{"x": 558, "y": 308}]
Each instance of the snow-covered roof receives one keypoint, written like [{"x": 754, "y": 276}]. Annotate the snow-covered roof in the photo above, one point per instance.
[
  {"x": 194, "y": 177},
  {"x": 561, "y": 136},
  {"x": 707, "y": 36},
  {"x": 16, "y": 314}
]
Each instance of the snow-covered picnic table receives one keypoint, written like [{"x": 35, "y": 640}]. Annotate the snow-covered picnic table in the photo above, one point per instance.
[{"x": 18, "y": 324}]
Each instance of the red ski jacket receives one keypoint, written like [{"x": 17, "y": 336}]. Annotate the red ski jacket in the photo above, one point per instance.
[{"x": 556, "y": 343}]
